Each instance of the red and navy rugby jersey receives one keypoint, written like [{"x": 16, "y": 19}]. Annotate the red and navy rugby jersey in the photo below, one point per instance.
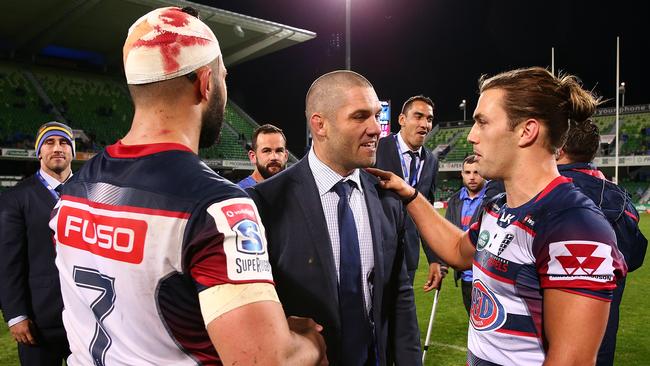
[
  {"x": 139, "y": 231},
  {"x": 558, "y": 240}
]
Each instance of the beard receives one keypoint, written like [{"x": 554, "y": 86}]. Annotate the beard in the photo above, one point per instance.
[
  {"x": 212, "y": 120},
  {"x": 265, "y": 170}
]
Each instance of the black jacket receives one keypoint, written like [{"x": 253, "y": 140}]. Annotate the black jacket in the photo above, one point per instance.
[
  {"x": 30, "y": 281},
  {"x": 303, "y": 264},
  {"x": 617, "y": 206},
  {"x": 388, "y": 159}
]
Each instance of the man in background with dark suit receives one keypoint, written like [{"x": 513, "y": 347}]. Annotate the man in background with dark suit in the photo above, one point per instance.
[
  {"x": 29, "y": 281},
  {"x": 404, "y": 154},
  {"x": 335, "y": 241}
]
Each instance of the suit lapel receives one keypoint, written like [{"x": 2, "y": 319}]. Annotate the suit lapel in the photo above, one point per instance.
[
  {"x": 395, "y": 162},
  {"x": 374, "y": 210},
  {"x": 314, "y": 218},
  {"x": 42, "y": 192},
  {"x": 427, "y": 172}
]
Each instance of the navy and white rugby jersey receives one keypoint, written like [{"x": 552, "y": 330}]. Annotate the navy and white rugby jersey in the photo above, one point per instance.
[
  {"x": 557, "y": 240},
  {"x": 139, "y": 231}
]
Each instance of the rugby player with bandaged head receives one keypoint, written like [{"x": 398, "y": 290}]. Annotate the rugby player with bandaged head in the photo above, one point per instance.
[{"x": 162, "y": 261}]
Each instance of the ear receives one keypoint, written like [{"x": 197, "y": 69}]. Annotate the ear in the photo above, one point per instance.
[
  {"x": 559, "y": 154},
  {"x": 528, "y": 132},
  {"x": 205, "y": 83},
  {"x": 401, "y": 119},
  {"x": 252, "y": 157},
  {"x": 318, "y": 125}
]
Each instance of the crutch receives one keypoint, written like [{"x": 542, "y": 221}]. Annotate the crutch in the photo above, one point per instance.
[{"x": 433, "y": 313}]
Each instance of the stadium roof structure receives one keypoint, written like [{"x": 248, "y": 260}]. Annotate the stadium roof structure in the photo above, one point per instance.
[{"x": 94, "y": 30}]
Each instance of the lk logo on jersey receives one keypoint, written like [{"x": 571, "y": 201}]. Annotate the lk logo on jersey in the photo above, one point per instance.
[
  {"x": 242, "y": 220},
  {"x": 486, "y": 312}
]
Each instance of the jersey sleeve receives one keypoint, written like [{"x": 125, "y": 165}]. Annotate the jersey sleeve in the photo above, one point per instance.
[
  {"x": 577, "y": 252},
  {"x": 226, "y": 244}
]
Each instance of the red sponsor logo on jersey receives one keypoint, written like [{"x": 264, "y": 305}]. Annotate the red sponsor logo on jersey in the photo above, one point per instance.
[
  {"x": 486, "y": 313},
  {"x": 581, "y": 261},
  {"x": 238, "y": 212},
  {"x": 120, "y": 239}
]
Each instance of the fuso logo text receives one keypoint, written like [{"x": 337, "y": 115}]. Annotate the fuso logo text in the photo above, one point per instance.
[{"x": 120, "y": 239}]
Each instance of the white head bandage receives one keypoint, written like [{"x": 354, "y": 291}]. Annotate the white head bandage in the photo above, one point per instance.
[{"x": 166, "y": 43}]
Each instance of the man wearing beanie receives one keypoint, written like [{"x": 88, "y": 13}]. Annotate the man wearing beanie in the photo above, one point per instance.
[
  {"x": 29, "y": 281},
  {"x": 161, "y": 260}
]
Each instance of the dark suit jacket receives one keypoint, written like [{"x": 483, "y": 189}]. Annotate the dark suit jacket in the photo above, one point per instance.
[
  {"x": 30, "y": 281},
  {"x": 303, "y": 264},
  {"x": 388, "y": 159},
  {"x": 455, "y": 205}
]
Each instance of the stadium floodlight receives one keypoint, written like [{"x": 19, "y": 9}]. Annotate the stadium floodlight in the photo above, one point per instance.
[
  {"x": 621, "y": 91},
  {"x": 463, "y": 107}
]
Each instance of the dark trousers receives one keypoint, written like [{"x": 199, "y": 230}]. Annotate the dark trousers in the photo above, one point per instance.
[
  {"x": 412, "y": 275},
  {"x": 48, "y": 352},
  {"x": 608, "y": 345},
  {"x": 466, "y": 288}
]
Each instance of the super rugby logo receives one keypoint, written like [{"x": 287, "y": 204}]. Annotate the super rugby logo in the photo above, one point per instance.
[
  {"x": 242, "y": 220},
  {"x": 486, "y": 313}
]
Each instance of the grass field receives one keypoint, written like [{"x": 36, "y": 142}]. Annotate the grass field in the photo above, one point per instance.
[{"x": 449, "y": 335}]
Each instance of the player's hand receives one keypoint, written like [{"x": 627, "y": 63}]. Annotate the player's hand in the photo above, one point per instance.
[
  {"x": 23, "y": 332},
  {"x": 389, "y": 180},
  {"x": 309, "y": 329},
  {"x": 436, "y": 273}
]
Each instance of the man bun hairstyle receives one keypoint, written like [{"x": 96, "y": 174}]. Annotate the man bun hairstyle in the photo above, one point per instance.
[{"x": 536, "y": 93}]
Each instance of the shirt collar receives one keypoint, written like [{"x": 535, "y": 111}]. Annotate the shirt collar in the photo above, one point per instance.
[
  {"x": 404, "y": 147},
  {"x": 51, "y": 181},
  {"x": 326, "y": 178},
  {"x": 464, "y": 193}
]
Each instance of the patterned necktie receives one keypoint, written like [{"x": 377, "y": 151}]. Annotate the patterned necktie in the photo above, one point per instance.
[
  {"x": 58, "y": 189},
  {"x": 355, "y": 329},
  {"x": 413, "y": 173}
]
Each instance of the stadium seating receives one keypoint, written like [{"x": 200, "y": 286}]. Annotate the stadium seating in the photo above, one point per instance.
[
  {"x": 239, "y": 122},
  {"x": 21, "y": 109},
  {"x": 442, "y": 136},
  {"x": 605, "y": 124},
  {"x": 634, "y": 136},
  {"x": 97, "y": 104},
  {"x": 635, "y": 189},
  {"x": 228, "y": 147},
  {"x": 446, "y": 188}
]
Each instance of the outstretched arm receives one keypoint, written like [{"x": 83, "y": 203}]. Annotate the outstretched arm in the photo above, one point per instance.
[{"x": 450, "y": 243}]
